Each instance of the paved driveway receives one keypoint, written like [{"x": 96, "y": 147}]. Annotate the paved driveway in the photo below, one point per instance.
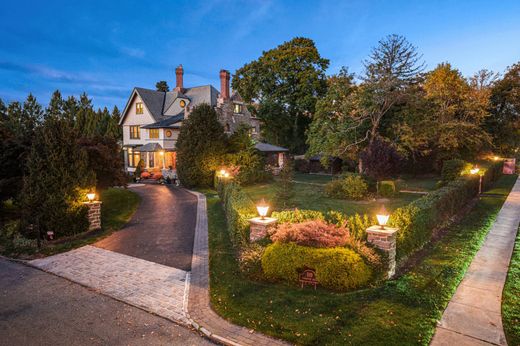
[{"x": 162, "y": 228}]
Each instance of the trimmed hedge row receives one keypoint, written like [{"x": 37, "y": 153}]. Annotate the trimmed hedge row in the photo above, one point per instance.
[
  {"x": 238, "y": 208},
  {"x": 336, "y": 268},
  {"x": 417, "y": 221}
]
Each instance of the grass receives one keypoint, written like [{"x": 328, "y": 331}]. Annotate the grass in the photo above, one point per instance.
[
  {"x": 511, "y": 298},
  {"x": 312, "y": 197},
  {"x": 118, "y": 207},
  {"x": 312, "y": 178},
  {"x": 419, "y": 184},
  {"x": 400, "y": 312}
]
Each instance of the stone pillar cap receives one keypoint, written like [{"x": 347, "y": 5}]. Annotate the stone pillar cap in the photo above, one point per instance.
[
  {"x": 377, "y": 229},
  {"x": 264, "y": 221}
]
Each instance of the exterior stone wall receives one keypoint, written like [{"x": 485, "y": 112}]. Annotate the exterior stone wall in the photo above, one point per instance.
[
  {"x": 231, "y": 121},
  {"x": 384, "y": 239}
]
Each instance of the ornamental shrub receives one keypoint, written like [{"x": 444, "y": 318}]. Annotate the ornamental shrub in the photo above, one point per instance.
[
  {"x": 358, "y": 224},
  {"x": 387, "y": 188},
  {"x": 297, "y": 215},
  {"x": 336, "y": 268},
  {"x": 452, "y": 169},
  {"x": 334, "y": 189},
  {"x": 315, "y": 233},
  {"x": 351, "y": 186},
  {"x": 250, "y": 261}
]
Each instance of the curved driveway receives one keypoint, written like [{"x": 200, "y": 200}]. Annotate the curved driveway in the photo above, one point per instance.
[{"x": 161, "y": 229}]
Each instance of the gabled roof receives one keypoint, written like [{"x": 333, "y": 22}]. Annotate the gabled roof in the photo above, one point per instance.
[
  {"x": 149, "y": 147},
  {"x": 158, "y": 102},
  {"x": 166, "y": 122},
  {"x": 269, "y": 148}
]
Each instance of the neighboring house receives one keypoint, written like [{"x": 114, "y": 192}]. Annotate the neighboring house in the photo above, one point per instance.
[{"x": 152, "y": 119}]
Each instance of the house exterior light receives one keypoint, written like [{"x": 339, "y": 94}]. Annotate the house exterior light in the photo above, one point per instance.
[
  {"x": 262, "y": 209},
  {"x": 91, "y": 196},
  {"x": 382, "y": 217}
]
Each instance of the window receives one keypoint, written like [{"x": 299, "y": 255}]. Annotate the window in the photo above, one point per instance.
[
  {"x": 139, "y": 109},
  {"x": 153, "y": 133},
  {"x": 134, "y": 132},
  {"x": 151, "y": 160},
  {"x": 133, "y": 158},
  {"x": 237, "y": 109},
  {"x": 182, "y": 103}
]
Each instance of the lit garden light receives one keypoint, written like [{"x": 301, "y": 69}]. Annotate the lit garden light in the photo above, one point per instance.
[
  {"x": 382, "y": 217},
  {"x": 496, "y": 158},
  {"x": 91, "y": 196},
  {"x": 262, "y": 208},
  {"x": 476, "y": 170}
]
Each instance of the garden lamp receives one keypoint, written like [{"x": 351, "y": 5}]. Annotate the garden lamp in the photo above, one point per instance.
[
  {"x": 496, "y": 158},
  {"x": 382, "y": 217},
  {"x": 474, "y": 170},
  {"x": 262, "y": 208},
  {"x": 91, "y": 196},
  {"x": 222, "y": 172}
]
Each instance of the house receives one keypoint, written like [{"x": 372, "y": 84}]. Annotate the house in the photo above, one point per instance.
[{"x": 152, "y": 119}]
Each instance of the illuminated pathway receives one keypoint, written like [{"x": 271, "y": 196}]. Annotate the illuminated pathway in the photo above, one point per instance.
[{"x": 473, "y": 316}]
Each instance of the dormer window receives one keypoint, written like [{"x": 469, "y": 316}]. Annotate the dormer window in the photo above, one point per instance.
[
  {"x": 153, "y": 133},
  {"x": 139, "y": 109},
  {"x": 237, "y": 108}
]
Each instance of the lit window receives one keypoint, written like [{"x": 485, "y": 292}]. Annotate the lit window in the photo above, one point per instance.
[
  {"x": 182, "y": 103},
  {"x": 134, "y": 132},
  {"x": 153, "y": 133},
  {"x": 139, "y": 109},
  {"x": 237, "y": 109},
  {"x": 133, "y": 158}
]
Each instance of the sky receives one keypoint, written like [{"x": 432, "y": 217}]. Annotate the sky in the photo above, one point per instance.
[{"x": 105, "y": 48}]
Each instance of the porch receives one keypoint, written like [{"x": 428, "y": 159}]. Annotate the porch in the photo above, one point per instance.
[{"x": 155, "y": 158}]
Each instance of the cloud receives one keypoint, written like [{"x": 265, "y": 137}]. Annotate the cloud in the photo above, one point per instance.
[
  {"x": 132, "y": 52},
  {"x": 249, "y": 22},
  {"x": 47, "y": 73}
]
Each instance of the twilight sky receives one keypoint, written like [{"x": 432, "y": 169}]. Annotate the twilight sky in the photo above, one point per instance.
[{"x": 107, "y": 47}]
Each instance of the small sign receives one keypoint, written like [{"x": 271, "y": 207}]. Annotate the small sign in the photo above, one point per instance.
[{"x": 308, "y": 277}]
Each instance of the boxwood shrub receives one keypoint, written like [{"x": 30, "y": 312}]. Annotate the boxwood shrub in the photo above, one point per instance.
[
  {"x": 387, "y": 188},
  {"x": 350, "y": 186},
  {"x": 336, "y": 268}
]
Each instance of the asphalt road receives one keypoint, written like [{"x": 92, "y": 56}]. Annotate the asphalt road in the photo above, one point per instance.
[
  {"x": 161, "y": 229},
  {"x": 37, "y": 308}
]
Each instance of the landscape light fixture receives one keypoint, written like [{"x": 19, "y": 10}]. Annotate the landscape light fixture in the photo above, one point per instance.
[
  {"x": 91, "y": 196},
  {"x": 262, "y": 208},
  {"x": 382, "y": 217},
  {"x": 496, "y": 158},
  {"x": 474, "y": 170}
]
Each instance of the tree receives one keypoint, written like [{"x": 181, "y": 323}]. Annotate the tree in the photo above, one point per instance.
[
  {"x": 290, "y": 78},
  {"x": 284, "y": 187},
  {"x": 336, "y": 124},
  {"x": 504, "y": 122},
  {"x": 380, "y": 159},
  {"x": 200, "y": 147},
  {"x": 57, "y": 179},
  {"x": 162, "y": 86},
  {"x": 113, "y": 129}
]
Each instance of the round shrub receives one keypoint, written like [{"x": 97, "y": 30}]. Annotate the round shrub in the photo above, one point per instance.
[
  {"x": 452, "y": 169},
  {"x": 336, "y": 268},
  {"x": 297, "y": 215},
  {"x": 355, "y": 187},
  {"x": 387, "y": 188},
  {"x": 334, "y": 189},
  {"x": 315, "y": 233}
]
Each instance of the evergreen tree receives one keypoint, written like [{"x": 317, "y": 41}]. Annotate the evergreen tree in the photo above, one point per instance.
[
  {"x": 284, "y": 186},
  {"x": 114, "y": 130},
  {"x": 57, "y": 179},
  {"x": 162, "y": 86},
  {"x": 200, "y": 147},
  {"x": 56, "y": 105}
]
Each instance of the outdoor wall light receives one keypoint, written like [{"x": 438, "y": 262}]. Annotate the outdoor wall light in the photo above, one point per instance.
[
  {"x": 91, "y": 196},
  {"x": 262, "y": 208},
  {"x": 382, "y": 217}
]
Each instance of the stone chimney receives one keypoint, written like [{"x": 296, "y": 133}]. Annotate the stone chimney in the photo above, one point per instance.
[
  {"x": 224, "y": 84},
  {"x": 179, "y": 72}
]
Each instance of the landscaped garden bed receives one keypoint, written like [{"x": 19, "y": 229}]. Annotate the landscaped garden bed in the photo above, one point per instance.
[{"x": 403, "y": 311}]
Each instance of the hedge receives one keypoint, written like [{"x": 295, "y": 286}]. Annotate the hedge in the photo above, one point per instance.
[
  {"x": 238, "y": 208},
  {"x": 417, "y": 221},
  {"x": 336, "y": 268}
]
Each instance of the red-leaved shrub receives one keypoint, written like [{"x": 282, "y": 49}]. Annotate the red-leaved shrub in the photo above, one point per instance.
[{"x": 320, "y": 234}]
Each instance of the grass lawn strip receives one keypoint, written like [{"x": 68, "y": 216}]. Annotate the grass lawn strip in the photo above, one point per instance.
[
  {"x": 401, "y": 312},
  {"x": 511, "y": 298}
]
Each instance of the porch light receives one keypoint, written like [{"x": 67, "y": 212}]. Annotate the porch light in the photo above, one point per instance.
[
  {"x": 382, "y": 217},
  {"x": 161, "y": 152},
  {"x": 91, "y": 196},
  {"x": 262, "y": 208}
]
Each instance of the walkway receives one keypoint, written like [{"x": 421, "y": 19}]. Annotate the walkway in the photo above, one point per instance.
[
  {"x": 161, "y": 229},
  {"x": 473, "y": 316},
  {"x": 200, "y": 314},
  {"x": 37, "y": 308}
]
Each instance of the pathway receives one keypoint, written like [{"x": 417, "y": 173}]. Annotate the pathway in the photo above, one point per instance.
[
  {"x": 200, "y": 314},
  {"x": 473, "y": 316},
  {"x": 37, "y": 308}
]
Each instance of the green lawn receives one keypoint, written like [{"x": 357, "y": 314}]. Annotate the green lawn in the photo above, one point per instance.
[
  {"x": 401, "y": 312},
  {"x": 419, "y": 184},
  {"x": 312, "y": 197},
  {"x": 511, "y": 298},
  {"x": 312, "y": 178}
]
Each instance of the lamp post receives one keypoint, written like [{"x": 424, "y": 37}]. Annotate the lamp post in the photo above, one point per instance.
[
  {"x": 474, "y": 171},
  {"x": 91, "y": 196},
  {"x": 382, "y": 217},
  {"x": 262, "y": 209},
  {"x": 94, "y": 211},
  {"x": 259, "y": 226}
]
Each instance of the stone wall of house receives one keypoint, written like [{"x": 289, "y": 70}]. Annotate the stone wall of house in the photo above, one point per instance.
[{"x": 231, "y": 121}]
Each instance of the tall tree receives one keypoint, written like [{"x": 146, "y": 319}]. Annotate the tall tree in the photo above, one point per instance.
[
  {"x": 292, "y": 77},
  {"x": 162, "y": 86},
  {"x": 200, "y": 147}
]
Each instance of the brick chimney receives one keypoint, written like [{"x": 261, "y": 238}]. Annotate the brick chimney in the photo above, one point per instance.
[
  {"x": 179, "y": 72},
  {"x": 224, "y": 84}
]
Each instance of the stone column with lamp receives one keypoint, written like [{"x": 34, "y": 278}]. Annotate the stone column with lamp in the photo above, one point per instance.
[
  {"x": 94, "y": 212},
  {"x": 384, "y": 238},
  {"x": 259, "y": 226}
]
